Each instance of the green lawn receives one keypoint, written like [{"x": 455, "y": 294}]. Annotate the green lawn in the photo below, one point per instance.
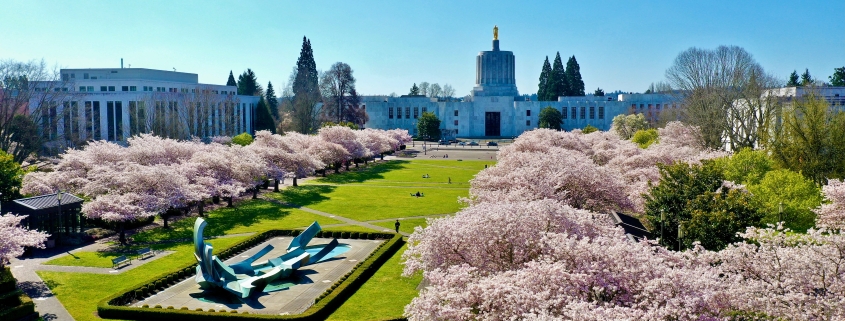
[
  {"x": 249, "y": 216},
  {"x": 384, "y": 296},
  {"x": 405, "y": 225},
  {"x": 90, "y": 259},
  {"x": 384, "y": 191},
  {"x": 81, "y": 292}
]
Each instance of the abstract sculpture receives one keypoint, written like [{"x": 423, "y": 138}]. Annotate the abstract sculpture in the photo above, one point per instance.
[{"x": 247, "y": 278}]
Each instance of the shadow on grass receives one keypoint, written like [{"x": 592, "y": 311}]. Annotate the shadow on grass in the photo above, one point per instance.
[
  {"x": 305, "y": 195},
  {"x": 364, "y": 174},
  {"x": 247, "y": 213}
]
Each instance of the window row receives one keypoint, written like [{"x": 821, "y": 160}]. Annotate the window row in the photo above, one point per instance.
[
  {"x": 69, "y": 122},
  {"x": 398, "y": 113},
  {"x": 564, "y": 112}
]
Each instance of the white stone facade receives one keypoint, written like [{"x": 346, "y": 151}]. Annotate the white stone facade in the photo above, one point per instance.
[
  {"x": 116, "y": 103},
  {"x": 496, "y": 104}
]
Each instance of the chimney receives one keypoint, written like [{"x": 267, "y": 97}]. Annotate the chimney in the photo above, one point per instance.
[{"x": 121, "y": 63}]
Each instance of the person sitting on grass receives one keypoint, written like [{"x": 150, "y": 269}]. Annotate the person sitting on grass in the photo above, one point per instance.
[{"x": 418, "y": 194}]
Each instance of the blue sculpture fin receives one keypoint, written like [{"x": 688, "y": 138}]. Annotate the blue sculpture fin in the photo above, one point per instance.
[{"x": 326, "y": 250}]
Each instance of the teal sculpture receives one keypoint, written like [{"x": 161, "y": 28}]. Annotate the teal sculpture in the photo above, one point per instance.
[{"x": 247, "y": 278}]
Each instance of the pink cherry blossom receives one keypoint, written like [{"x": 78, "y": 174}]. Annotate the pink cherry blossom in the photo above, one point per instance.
[{"x": 15, "y": 237}]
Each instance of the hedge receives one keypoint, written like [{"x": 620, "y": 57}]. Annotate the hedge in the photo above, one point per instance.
[
  {"x": 115, "y": 307},
  {"x": 19, "y": 304}
]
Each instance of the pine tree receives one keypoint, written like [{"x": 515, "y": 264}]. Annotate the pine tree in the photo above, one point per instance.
[
  {"x": 793, "y": 80},
  {"x": 272, "y": 101},
  {"x": 838, "y": 77},
  {"x": 248, "y": 84},
  {"x": 573, "y": 77},
  {"x": 414, "y": 90},
  {"x": 806, "y": 79},
  {"x": 231, "y": 81},
  {"x": 598, "y": 93},
  {"x": 543, "y": 86},
  {"x": 559, "y": 85}
]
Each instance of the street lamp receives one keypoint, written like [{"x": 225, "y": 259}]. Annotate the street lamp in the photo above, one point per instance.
[
  {"x": 59, "y": 197},
  {"x": 780, "y": 212},
  {"x": 680, "y": 235}
]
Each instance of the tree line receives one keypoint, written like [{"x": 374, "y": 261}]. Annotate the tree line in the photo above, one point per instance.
[{"x": 555, "y": 80}]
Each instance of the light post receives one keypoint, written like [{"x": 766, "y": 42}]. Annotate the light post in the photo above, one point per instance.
[
  {"x": 680, "y": 235},
  {"x": 662, "y": 222},
  {"x": 780, "y": 212},
  {"x": 59, "y": 197}
]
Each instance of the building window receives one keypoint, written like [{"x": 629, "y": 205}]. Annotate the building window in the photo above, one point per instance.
[
  {"x": 657, "y": 107},
  {"x": 649, "y": 106},
  {"x": 91, "y": 88},
  {"x": 592, "y": 112},
  {"x": 641, "y": 106},
  {"x": 133, "y": 88},
  {"x": 111, "y": 88},
  {"x": 574, "y": 112},
  {"x": 416, "y": 112},
  {"x": 81, "y": 88},
  {"x": 124, "y": 88},
  {"x": 424, "y": 109},
  {"x": 85, "y": 75},
  {"x": 456, "y": 122},
  {"x": 104, "y": 88},
  {"x": 563, "y": 113},
  {"x": 528, "y": 123},
  {"x": 407, "y": 112},
  {"x": 634, "y": 106},
  {"x": 601, "y": 112},
  {"x": 583, "y": 112},
  {"x": 390, "y": 112},
  {"x": 398, "y": 112},
  {"x": 456, "y": 113},
  {"x": 528, "y": 113}
]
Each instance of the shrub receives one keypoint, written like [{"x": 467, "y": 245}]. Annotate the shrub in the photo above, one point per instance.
[
  {"x": 645, "y": 137},
  {"x": 242, "y": 139}
]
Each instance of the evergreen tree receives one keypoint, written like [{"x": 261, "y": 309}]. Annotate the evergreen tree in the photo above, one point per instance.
[
  {"x": 599, "y": 92},
  {"x": 428, "y": 125},
  {"x": 557, "y": 79},
  {"x": 806, "y": 79},
  {"x": 543, "y": 87},
  {"x": 248, "y": 84},
  {"x": 414, "y": 90},
  {"x": 263, "y": 120},
  {"x": 306, "y": 92},
  {"x": 838, "y": 77},
  {"x": 550, "y": 118},
  {"x": 573, "y": 77},
  {"x": 231, "y": 81},
  {"x": 793, "y": 80},
  {"x": 272, "y": 101}
]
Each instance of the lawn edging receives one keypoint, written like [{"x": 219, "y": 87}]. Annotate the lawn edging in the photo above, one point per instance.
[
  {"x": 14, "y": 304},
  {"x": 115, "y": 306}
]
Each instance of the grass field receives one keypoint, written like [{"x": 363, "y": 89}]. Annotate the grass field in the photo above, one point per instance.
[
  {"x": 371, "y": 193},
  {"x": 384, "y": 191}
]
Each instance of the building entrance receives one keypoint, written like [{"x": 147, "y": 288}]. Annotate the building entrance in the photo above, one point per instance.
[{"x": 492, "y": 124}]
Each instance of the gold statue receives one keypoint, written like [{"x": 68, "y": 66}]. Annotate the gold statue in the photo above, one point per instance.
[{"x": 495, "y": 32}]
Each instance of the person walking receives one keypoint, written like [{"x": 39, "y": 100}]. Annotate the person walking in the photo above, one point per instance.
[{"x": 397, "y": 226}]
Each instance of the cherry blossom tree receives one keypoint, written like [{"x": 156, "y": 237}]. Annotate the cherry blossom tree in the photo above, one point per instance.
[
  {"x": 15, "y": 237},
  {"x": 832, "y": 214},
  {"x": 346, "y": 138}
]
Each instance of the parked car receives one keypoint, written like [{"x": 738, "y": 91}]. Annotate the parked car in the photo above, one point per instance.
[
  {"x": 462, "y": 143},
  {"x": 443, "y": 142},
  {"x": 492, "y": 144},
  {"x": 473, "y": 143}
]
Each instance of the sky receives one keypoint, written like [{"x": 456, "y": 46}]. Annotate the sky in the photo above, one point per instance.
[{"x": 390, "y": 45}]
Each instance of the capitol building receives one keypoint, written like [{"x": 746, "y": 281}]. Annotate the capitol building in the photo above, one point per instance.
[{"x": 496, "y": 108}]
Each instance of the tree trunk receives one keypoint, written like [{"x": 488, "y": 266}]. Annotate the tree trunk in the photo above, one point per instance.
[
  {"x": 294, "y": 179},
  {"x": 337, "y": 168},
  {"x": 230, "y": 199},
  {"x": 255, "y": 193},
  {"x": 215, "y": 199},
  {"x": 276, "y": 185},
  {"x": 347, "y": 166},
  {"x": 324, "y": 171},
  {"x": 356, "y": 164},
  {"x": 164, "y": 218},
  {"x": 122, "y": 234},
  {"x": 201, "y": 207}
]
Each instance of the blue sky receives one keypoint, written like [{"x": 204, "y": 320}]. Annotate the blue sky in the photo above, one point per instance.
[{"x": 620, "y": 45}]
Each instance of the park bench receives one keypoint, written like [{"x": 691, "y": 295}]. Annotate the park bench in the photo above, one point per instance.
[
  {"x": 145, "y": 253},
  {"x": 116, "y": 262}
]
